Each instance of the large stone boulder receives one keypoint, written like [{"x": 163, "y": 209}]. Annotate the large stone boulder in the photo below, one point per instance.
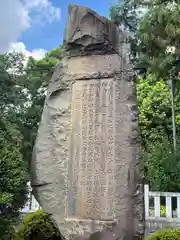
[{"x": 86, "y": 160}]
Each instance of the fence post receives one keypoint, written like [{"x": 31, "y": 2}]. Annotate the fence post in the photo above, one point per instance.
[
  {"x": 146, "y": 200},
  {"x": 168, "y": 207},
  {"x": 178, "y": 207},
  {"x": 157, "y": 206},
  {"x": 29, "y": 196}
]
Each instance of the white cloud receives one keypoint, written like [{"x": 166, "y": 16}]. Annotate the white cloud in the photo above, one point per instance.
[
  {"x": 43, "y": 9},
  {"x": 16, "y": 16},
  {"x": 38, "y": 53},
  {"x": 14, "y": 19},
  {"x": 21, "y": 48}
]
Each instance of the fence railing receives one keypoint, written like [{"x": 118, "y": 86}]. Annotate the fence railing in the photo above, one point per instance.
[
  {"x": 164, "y": 205},
  {"x": 32, "y": 205}
]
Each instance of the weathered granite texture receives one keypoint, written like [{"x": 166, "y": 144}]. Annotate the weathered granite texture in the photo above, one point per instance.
[
  {"x": 88, "y": 33},
  {"x": 86, "y": 168},
  {"x": 117, "y": 167}
]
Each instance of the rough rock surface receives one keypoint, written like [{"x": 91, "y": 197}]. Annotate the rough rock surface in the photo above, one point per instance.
[
  {"x": 86, "y": 168},
  {"x": 88, "y": 33}
]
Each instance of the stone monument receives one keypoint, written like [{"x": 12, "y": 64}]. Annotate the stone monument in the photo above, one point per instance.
[{"x": 86, "y": 160}]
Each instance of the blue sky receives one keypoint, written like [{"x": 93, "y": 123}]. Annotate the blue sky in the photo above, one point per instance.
[
  {"x": 50, "y": 35},
  {"x": 34, "y": 27}
]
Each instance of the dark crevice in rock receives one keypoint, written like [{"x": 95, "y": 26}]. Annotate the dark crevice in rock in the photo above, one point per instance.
[
  {"x": 55, "y": 93},
  {"x": 37, "y": 185}
]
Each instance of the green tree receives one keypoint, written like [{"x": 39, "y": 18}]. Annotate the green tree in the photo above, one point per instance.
[
  {"x": 155, "y": 30},
  {"x": 159, "y": 32},
  {"x": 22, "y": 90},
  {"x": 155, "y": 113},
  {"x": 127, "y": 14},
  {"x": 13, "y": 170},
  {"x": 154, "y": 99},
  {"x": 162, "y": 166},
  {"x": 35, "y": 83},
  {"x": 155, "y": 47}
]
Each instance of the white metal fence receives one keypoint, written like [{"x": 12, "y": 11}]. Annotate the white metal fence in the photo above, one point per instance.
[
  {"x": 162, "y": 210},
  {"x": 32, "y": 205},
  {"x": 154, "y": 208}
]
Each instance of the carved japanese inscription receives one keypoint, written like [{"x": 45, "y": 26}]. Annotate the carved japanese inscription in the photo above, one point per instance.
[{"x": 91, "y": 184}]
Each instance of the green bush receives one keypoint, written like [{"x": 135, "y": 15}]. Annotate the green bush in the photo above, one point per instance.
[
  {"x": 7, "y": 230},
  {"x": 166, "y": 234},
  {"x": 162, "y": 211},
  {"x": 162, "y": 167},
  {"x": 38, "y": 226},
  {"x": 12, "y": 234},
  {"x": 9, "y": 234}
]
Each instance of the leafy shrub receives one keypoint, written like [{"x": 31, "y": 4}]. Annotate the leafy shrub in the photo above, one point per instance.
[
  {"x": 166, "y": 234},
  {"x": 162, "y": 167},
  {"x": 8, "y": 234},
  {"x": 7, "y": 230},
  {"x": 162, "y": 211},
  {"x": 38, "y": 226},
  {"x": 12, "y": 234}
]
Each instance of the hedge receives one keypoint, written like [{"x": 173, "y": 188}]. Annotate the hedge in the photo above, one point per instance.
[
  {"x": 162, "y": 211},
  {"x": 39, "y": 226},
  {"x": 166, "y": 234}
]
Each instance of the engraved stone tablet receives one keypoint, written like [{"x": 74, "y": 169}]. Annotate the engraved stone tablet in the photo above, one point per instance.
[{"x": 92, "y": 166}]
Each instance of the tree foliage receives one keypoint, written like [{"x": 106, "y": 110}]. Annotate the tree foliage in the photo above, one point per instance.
[
  {"x": 162, "y": 166},
  {"x": 35, "y": 81},
  {"x": 155, "y": 117},
  {"x": 13, "y": 169},
  {"x": 127, "y": 14},
  {"x": 158, "y": 31},
  {"x": 155, "y": 29},
  {"x": 23, "y": 90},
  {"x": 154, "y": 99},
  {"x": 7, "y": 230},
  {"x": 155, "y": 47}
]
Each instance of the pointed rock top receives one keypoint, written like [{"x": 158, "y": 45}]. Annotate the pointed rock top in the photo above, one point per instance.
[{"x": 89, "y": 33}]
